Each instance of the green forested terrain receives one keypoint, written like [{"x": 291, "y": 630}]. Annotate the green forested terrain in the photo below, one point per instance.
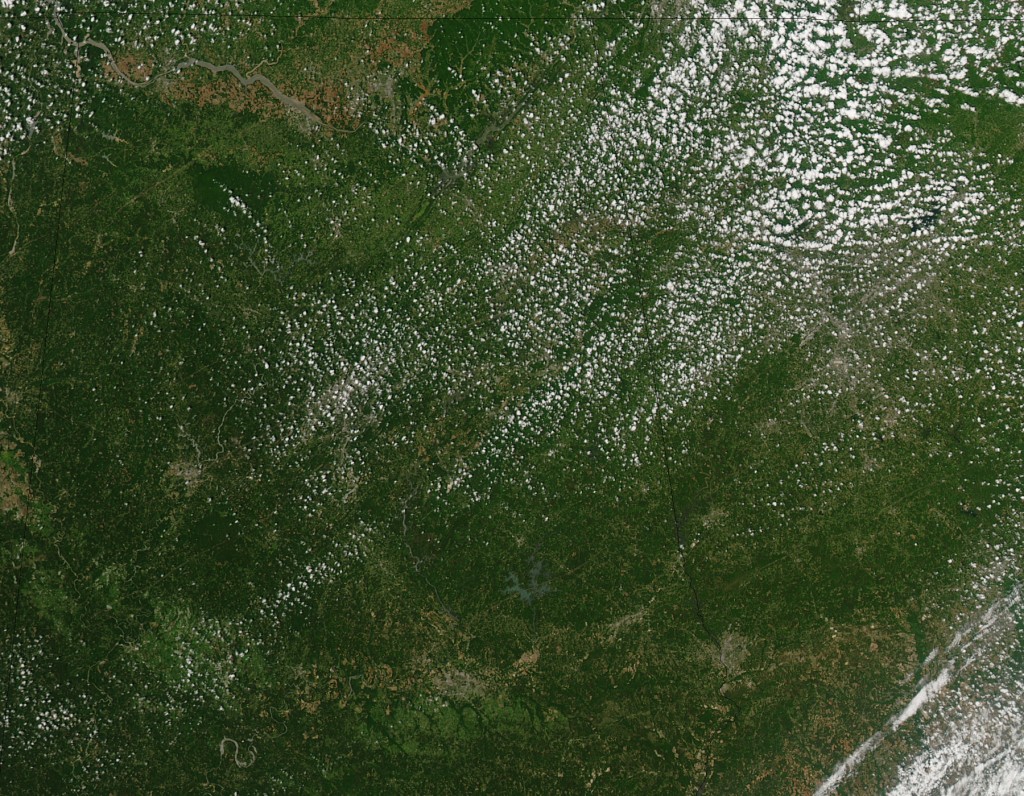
[{"x": 539, "y": 397}]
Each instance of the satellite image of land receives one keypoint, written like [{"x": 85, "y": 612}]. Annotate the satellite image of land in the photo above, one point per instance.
[{"x": 512, "y": 396}]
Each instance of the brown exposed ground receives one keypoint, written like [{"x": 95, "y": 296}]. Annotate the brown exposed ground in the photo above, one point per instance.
[
  {"x": 131, "y": 65},
  {"x": 203, "y": 89},
  {"x": 359, "y": 70},
  {"x": 15, "y": 493}
]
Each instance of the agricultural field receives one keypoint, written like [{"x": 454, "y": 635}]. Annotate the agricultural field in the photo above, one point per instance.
[{"x": 533, "y": 397}]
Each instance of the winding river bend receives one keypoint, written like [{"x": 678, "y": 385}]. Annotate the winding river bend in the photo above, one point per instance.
[{"x": 280, "y": 96}]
